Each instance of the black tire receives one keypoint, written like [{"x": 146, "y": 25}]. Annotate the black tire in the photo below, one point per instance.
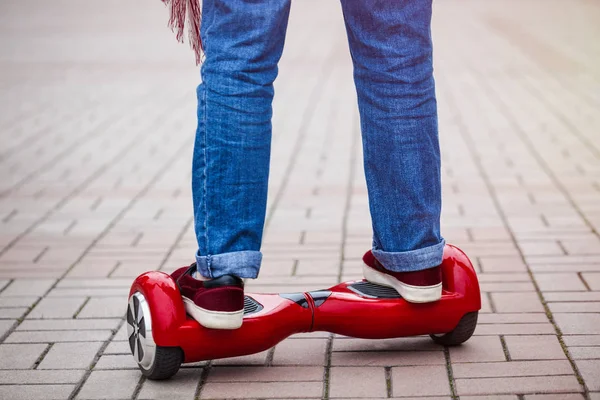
[
  {"x": 166, "y": 363},
  {"x": 463, "y": 331}
]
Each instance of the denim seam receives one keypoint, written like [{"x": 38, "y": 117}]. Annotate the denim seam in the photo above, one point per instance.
[{"x": 205, "y": 175}]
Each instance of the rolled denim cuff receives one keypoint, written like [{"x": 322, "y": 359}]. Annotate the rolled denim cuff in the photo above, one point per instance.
[
  {"x": 414, "y": 260},
  {"x": 243, "y": 264}
]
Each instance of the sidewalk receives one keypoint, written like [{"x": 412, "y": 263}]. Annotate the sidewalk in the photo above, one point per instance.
[{"x": 97, "y": 120}]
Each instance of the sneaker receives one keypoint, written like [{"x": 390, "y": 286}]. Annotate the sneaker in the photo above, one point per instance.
[
  {"x": 416, "y": 286},
  {"x": 216, "y": 303}
]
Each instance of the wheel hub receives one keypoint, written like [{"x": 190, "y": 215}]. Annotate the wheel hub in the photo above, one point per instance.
[{"x": 139, "y": 331}]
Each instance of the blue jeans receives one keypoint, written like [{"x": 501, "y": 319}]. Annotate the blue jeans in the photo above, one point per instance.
[{"x": 390, "y": 43}]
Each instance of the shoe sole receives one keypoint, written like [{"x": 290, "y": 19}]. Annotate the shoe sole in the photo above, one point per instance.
[
  {"x": 214, "y": 319},
  {"x": 410, "y": 293}
]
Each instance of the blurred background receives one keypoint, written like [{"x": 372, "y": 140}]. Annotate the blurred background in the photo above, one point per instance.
[{"x": 97, "y": 118}]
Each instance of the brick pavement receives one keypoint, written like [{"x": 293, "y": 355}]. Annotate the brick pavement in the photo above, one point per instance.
[{"x": 96, "y": 130}]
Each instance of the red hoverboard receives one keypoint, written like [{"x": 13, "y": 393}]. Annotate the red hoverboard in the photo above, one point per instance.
[{"x": 162, "y": 336}]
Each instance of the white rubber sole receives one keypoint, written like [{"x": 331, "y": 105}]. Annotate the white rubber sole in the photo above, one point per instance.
[
  {"x": 214, "y": 319},
  {"x": 413, "y": 294}
]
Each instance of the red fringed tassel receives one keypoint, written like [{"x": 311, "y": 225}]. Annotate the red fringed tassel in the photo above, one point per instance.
[{"x": 179, "y": 10}]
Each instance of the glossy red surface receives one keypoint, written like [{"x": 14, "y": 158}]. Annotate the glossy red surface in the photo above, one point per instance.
[{"x": 344, "y": 312}]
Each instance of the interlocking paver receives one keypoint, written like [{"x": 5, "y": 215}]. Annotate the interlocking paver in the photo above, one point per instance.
[
  {"x": 95, "y": 190},
  {"x": 57, "y": 307},
  {"x": 420, "y": 381},
  {"x": 534, "y": 348},
  {"x": 20, "y": 356},
  {"x": 357, "y": 382},
  {"x": 300, "y": 352},
  {"x": 388, "y": 358},
  {"x": 590, "y": 371},
  {"x": 116, "y": 361},
  {"x": 106, "y": 307},
  {"x": 532, "y": 384},
  {"x": 250, "y": 390},
  {"x": 28, "y": 287},
  {"x": 68, "y": 324},
  {"x": 517, "y": 302},
  {"x": 36, "y": 392},
  {"x": 39, "y": 377},
  {"x": 70, "y": 355},
  {"x": 575, "y": 323},
  {"x": 562, "y": 396},
  {"x": 478, "y": 349},
  {"x": 512, "y": 368},
  {"x": 183, "y": 387},
  {"x": 58, "y": 336},
  {"x": 5, "y": 326},
  {"x": 109, "y": 385},
  {"x": 265, "y": 374}
]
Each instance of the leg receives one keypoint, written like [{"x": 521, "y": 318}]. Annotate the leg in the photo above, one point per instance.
[
  {"x": 243, "y": 41},
  {"x": 391, "y": 49}
]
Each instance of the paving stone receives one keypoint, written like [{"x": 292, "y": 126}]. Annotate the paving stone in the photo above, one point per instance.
[
  {"x": 502, "y": 264},
  {"x": 520, "y": 177},
  {"x": 506, "y": 287},
  {"x": 512, "y": 368},
  {"x": 94, "y": 283},
  {"x": 12, "y": 313},
  {"x": 592, "y": 279},
  {"x": 117, "y": 361},
  {"x": 266, "y": 374},
  {"x": 517, "y": 302},
  {"x": 555, "y": 282},
  {"x": 20, "y": 356},
  {"x": 420, "y": 343},
  {"x": 252, "y": 359},
  {"x": 68, "y": 324},
  {"x": 28, "y": 377},
  {"x": 36, "y": 392},
  {"x": 110, "y": 385},
  {"x": 562, "y": 396},
  {"x": 57, "y": 307},
  {"x": 182, "y": 386},
  {"x": 515, "y": 329},
  {"x": 357, "y": 382},
  {"x": 478, "y": 349},
  {"x": 578, "y": 323},
  {"x": 523, "y": 385},
  {"x": 6, "y": 325},
  {"x": 70, "y": 355},
  {"x": 107, "y": 307},
  {"x": 585, "y": 353},
  {"x": 17, "y": 301},
  {"x": 117, "y": 347},
  {"x": 300, "y": 352},
  {"x": 91, "y": 292},
  {"x": 590, "y": 371},
  {"x": 572, "y": 296},
  {"x": 420, "y": 381},
  {"x": 511, "y": 318},
  {"x": 574, "y": 307},
  {"x": 28, "y": 287},
  {"x": 293, "y": 390},
  {"x": 581, "y": 340},
  {"x": 387, "y": 359},
  {"x": 534, "y": 348},
  {"x": 540, "y": 248},
  {"x": 58, "y": 336}
]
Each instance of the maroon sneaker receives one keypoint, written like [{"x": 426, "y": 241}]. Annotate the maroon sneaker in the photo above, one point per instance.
[
  {"x": 415, "y": 286},
  {"x": 216, "y": 303}
]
